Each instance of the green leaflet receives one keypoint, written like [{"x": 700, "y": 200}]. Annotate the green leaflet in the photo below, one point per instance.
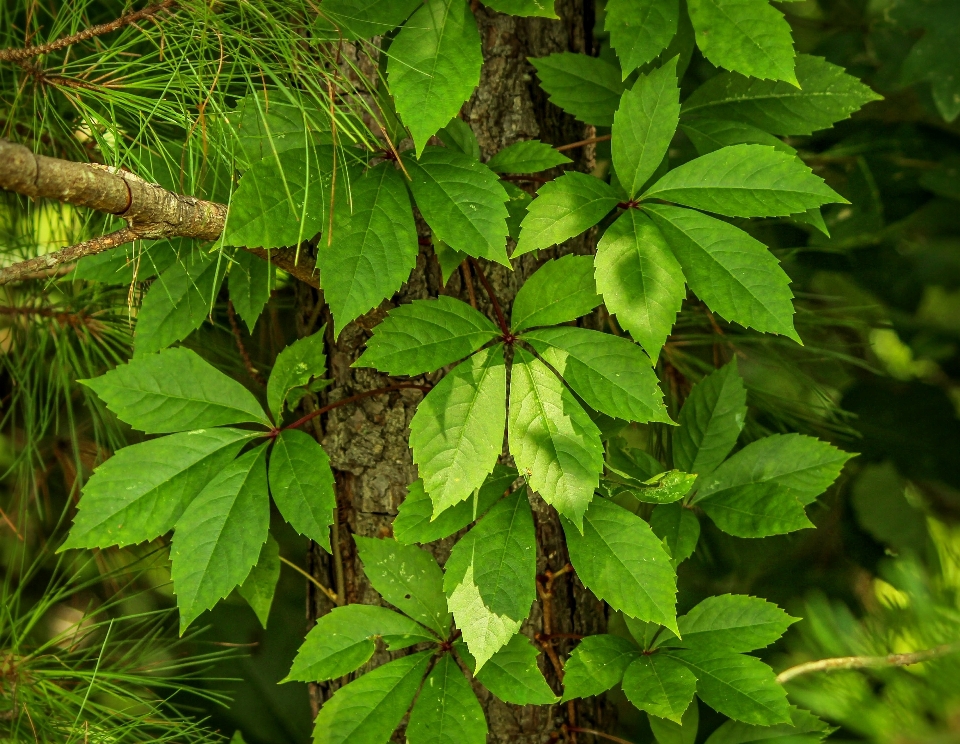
[
  {"x": 408, "y": 578},
  {"x": 218, "y": 538},
  {"x": 426, "y": 335},
  {"x": 447, "y": 711},
  {"x": 259, "y": 586},
  {"x": 433, "y": 66},
  {"x": 374, "y": 248},
  {"x": 462, "y": 200},
  {"x": 140, "y": 492},
  {"x": 516, "y": 207},
  {"x": 344, "y": 639},
  {"x": 826, "y": 95},
  {"x": 732, "y": 272},
  {"x": 611, "y": 374},
  {"x": 756, "y": 510},
  {"x": 458, "y": 135},
  {"x": 179, "y": 301},
  {"x": 665, "y": 488},
  {"x": 806, "y": 466},
  {"x": 597, "y": 664},
  {"x": 457, "y": 432},
  {"x": 668, "y": 732},
  {"x": 741, "y": 687},
  {"x": 583, "y": 86},
  {"x": 175, "y": 390},
  {"x": 734, "y": 623},
  {"x": 538, "y": 8},
  {"x": 747, "y": 36},
  {"x": 745, "y": 181},
  {"x": 367, "y": 710},
  {"x": 361, "y": 19},
  {"x": 679, "y": 528},
  {"x": 710, "y": 421},
  {"x": 302, "y": 485},
  {"x": 643, "y": 126},
  {"x": 294, "y": 366},
  {"x": 251, "y": 281},
  {"x": 512, "y": 673},
  {"x": 552, "y": 439},
  {"x": 640, "y": 29},
  {"x": 273, "y": 121},
  {"x": 530, "y": 156},
  {"x": 559, "y": 291},
  {"x": 805, "y": 728},
  {"x": 282, "y": 199},
  {"x": 660, "y": 685},
  {"x": 415, "y": 523},
  {"x": 640, "y": 280},
  {"x": 563, "y": 209},
  {"x": 709, "y": 135},
  {"x": 490, "y": 576},
  {"x": 623, "y": 563}
]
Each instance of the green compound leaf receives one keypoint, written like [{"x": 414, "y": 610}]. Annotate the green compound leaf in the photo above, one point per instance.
[
  {"x": 301, "y": 482},
  {"x": 415, "y": 523},
  {"x": 447, "y": 711},
  {"x": 294, "y": 366},
  {"x": 640, "y": 279},
  {"x": 490, "y": 577},
  {"x": 709, "y": 135},
  {"x": 596, "y": 665},
  {"x": 458, "y": 135},
  {"x": 408, "y": 578},
  {"x": 733, "y": 273},
  {"x": 640, "y": 29},
  {"x": 734, "y": 623},
  {"x": 711, "y": 421},
  {"x": 433, "y": 66},
  {"x": 611, "y": 374},
  {"x": 806, "y": 466},
  {"x": 361, "y": 19},
  {"x": 536, "y": 8},
  {"x": 668, "y": 732},
  {"x": 623, "y": 563},
  {"x": 747, "y": 36},
  {"x": 261, "y": 584},
  {"x": 367, "y": 710},
  {"x": 660, "y": 685},
  {"x": 531, "y": 156},
  {"x": 140, "y": 492},
  {"x": 218, "y": 538},
  {"x": 251, "y": 281},
  {"x": 462, "y": 200},
  {"x": 756, "y": 510},
  {"x": 512, "y": 673},
  {"x": 282, "y": 199},
  {"x": 679, "y": 528},
  {"x": 457, "y": 432},
  {"x": 375, "y": 246},
  {"x": 644, "y": 125},
  {"x": 805, "y": 728},
  {"x": 583, "y": 86},
  {"x": 559, "y": 291},
  {"x": 741, "y": 687},
  {"x": 175, "y": 390},
  {"x": 553, "y": 440},
  {"x": 344, "y": 639},
  {"x": 179, "y": 301},
  {"x": 827, "y": 94},
  {"x": 426, "y": 335},
  {"x": 563, "y": 209},
  {"x": 745, "y": 181}
]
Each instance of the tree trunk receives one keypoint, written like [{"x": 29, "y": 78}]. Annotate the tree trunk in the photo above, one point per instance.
[{"x": 367, "y": 442}]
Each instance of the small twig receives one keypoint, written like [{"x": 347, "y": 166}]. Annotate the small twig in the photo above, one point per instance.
[
  {"x": 504, "y": 328},
  {"x": 581, "y": 143},
  {"x": 468, "y": 282},
  {"x": 241, "y": 349},
  {"x": 602, "y": 735},
  {"x": 353, "y": 399},
  {"x": 867, "y": 662},
  {"x": 42, "y": 264},
  {"x": 331, "y": 595}
]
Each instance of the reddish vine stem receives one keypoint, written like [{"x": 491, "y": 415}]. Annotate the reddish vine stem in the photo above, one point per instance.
[
  {"x": 504, "y": 328},
  {"x": 241, "y": 349},
  {"x": 347, "y": 401},
  {"x": 608, "y": 737},
  {"x": 581, "y": 143}
]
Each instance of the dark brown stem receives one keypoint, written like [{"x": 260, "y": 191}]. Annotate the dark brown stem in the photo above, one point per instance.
[
  {"x": 504, "y": 328},
  {"x": 353, "y": 399},
  {"x": 608, "y": 737},
  {"x": 581, "y": 143},
  {"x": 241, "y": 349},
  {"x": 468, "y": 282},
  {"x": 18, "y": 55}
]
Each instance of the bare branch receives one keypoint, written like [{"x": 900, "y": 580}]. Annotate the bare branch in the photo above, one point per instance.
[
  {"x": 40, "y": 265},
  {"x": 867, "y": 662},
  {"x": 19, "y": 55}
]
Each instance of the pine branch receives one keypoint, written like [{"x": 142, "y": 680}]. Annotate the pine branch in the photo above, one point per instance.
[
  {"x": 867, "y": 662},
  {"x": 151, "y": 212},
  {"x": 19, "y": 55}
]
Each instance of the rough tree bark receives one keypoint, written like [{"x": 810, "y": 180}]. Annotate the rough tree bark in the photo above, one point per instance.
[{"x": 367, "y": 442}]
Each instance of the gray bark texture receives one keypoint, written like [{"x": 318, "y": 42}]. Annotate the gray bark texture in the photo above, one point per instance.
[{"x": 367, "y": 442}]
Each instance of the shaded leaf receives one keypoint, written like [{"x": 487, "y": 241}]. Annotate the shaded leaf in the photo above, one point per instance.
[
  {"x": 678, "y": 527},
  {"x": 251, "y": 281},
  {"x": 458, "y": 135},
  {"x": 597, "y": 664},
  {"x": 537, "y": 8},
  {"x": 557, "y": 292},
  {"x": 668, "y": 732},
  {"x": 640, "y": 29},
  {"x": 583, "y": 86},
  {"x": 301, "y": 482},
  {"x": 709, "y": 135},
  {"x": 805, "y": 728},
  {"x": 660, "y": 685},
  {"x": 294, "y": 366},
  {"x": 361, "y": 19},
  {"x": 756, "y": 510},
  {"x": 261, "y": 584},
  {"x": 529, "y": 156}
]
